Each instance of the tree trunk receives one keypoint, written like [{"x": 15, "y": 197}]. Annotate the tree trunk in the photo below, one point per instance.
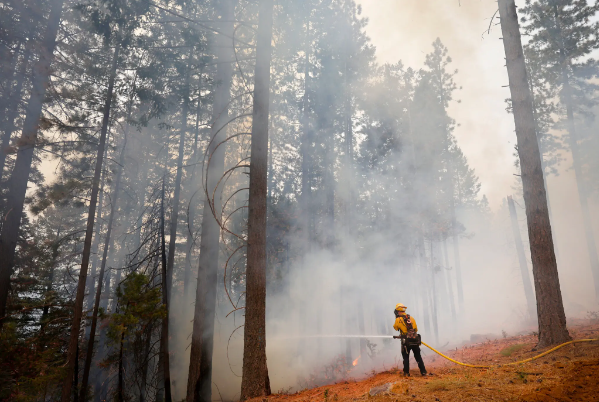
[
  {"x": 175, "y": 212},
  {"x": 76, "y": 376},
  {"x": 255, "y": 381},
  {"x": 102, "y": 380},
  {"x": 91, "y": 279},
  {"x": 8, "y": 121},
  {"x": 189, "y": 241},
  {"x": 145, "y": 367},
  {"x": 20, "y": 177},
  {"x": 107, "y": 244},
  {"x": 199, "y": 383},
  {"x": 76, "y": 325},
  {"x": 164, "y": 350},
  {"x": 530, "y": 301},
  {"x": 550, "y": 308},
  {"x": 120, "y": 391},
  {"x": 6, "y": 95}
]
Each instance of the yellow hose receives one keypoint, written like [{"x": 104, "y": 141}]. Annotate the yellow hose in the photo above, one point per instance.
[{"x": 512, "y": 363}]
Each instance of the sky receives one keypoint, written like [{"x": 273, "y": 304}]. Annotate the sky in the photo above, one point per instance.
[{"x": 405, "y": 30}]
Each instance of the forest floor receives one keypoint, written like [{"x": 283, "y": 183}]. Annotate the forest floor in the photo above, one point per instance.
[{"x": 568, "y": 374}]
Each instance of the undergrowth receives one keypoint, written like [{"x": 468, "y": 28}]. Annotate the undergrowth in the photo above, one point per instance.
[{"x": 510, "y": 350}]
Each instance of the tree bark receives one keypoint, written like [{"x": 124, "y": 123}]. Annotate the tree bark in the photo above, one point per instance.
[
  {"x": 199, "y": 383},
  {"x": 15, "y": 199},
  {"x": 8, "y": 121},
  {"x": 255, "y": 381},
  {"x": 177, "y": 195},
  {"x": 96, "y": 244},
  {"x": 107, "y": 243},
  {"x": 530, "y": 301},
  {"x": 164, "y": 349},
  {"x": 121, "y": 391},
  {"x": 78, "y": 308},
  {"x": 550, "y": 309}
]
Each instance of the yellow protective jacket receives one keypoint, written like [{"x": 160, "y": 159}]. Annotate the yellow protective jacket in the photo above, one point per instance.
[{"x": 400, "y": 324}]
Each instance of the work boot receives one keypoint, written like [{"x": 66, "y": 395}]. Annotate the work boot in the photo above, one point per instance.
[
  {"x": 406, "y": 374},
  {"x": 426, "y": 374}
]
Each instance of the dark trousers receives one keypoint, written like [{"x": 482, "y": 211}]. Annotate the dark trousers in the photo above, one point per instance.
[{"x": 405, "y": 353}]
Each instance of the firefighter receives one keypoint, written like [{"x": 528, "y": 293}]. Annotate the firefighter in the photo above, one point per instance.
[{"x": 410, "y": 340}]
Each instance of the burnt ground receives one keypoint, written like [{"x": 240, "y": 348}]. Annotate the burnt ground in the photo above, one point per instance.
[{"x": 568, "y": 374}]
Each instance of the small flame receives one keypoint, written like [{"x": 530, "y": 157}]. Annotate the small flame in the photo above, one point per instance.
[{"x": 355, "y": 362}]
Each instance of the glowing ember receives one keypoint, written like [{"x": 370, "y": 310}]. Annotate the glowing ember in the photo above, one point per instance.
[{"x": 355, "y": 362}]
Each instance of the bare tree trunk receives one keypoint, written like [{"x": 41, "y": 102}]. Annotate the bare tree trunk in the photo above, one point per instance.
[
  {"x": 102, "y": 379},
  {"x": 189, "y": 241},
  {"x": 176, "y": 197},
  {"x": 15, "y": 199},
  {"x": 528, "y": 292},
  {"x": 255, "y": 381},
  {"x": 120, "y": 391},
  {"x": 76, "y": 325},
  {"x": 12, "y": 110},
  {"x": 144, "y": 368},
  {"x": 96, "y": 244},
  {"x": 550, "y": 308},
  {"x": 6, "y": 95},
  {"x": 76, "y": 376},
  {"x": 164, "y": 350},
  {"x": 107, "y": 243},
  {"x": 199, "y": 383}
]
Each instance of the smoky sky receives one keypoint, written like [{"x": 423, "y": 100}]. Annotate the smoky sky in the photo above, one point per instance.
[{"x": 404, "y": 30}]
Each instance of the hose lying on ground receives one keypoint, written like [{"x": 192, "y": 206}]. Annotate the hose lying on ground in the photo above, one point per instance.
[{"x": 512, "y": 363}]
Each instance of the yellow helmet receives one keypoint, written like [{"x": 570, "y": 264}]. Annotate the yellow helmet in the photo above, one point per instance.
[{"x": 400, "y": 307}]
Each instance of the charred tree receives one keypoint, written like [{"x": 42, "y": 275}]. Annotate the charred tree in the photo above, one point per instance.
[
  {"x": 15, "y": 199},
  {"x": 530, "y": 301},
  {"x": 255, "y": 381},
  {"x": 550, "y": 308}
]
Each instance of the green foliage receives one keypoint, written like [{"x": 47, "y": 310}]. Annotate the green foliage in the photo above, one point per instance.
[{"x": 139, "y": 304}]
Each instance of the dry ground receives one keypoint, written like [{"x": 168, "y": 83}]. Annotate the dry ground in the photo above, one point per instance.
[{"x": 569, "y": 374}]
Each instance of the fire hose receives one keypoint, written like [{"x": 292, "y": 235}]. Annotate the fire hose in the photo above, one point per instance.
[{"x": 511, "y": 363}]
